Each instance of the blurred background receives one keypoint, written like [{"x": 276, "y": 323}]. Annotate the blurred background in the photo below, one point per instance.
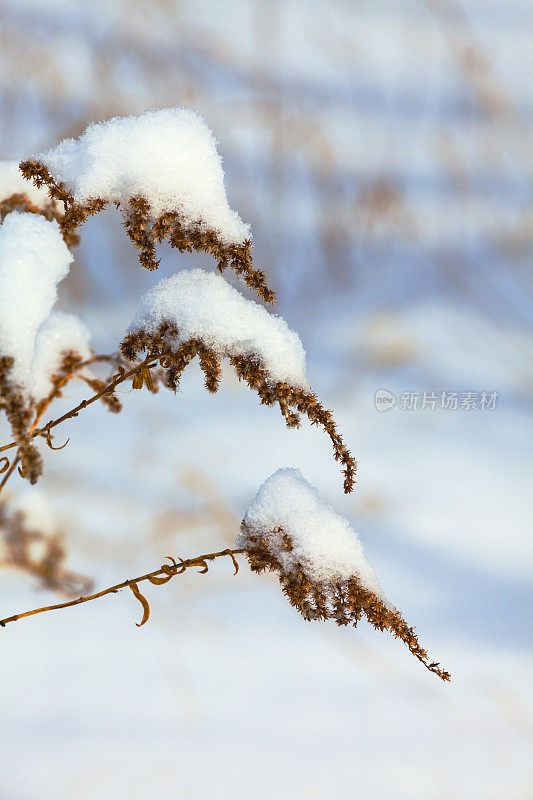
[{"x": 381, "y": 152}]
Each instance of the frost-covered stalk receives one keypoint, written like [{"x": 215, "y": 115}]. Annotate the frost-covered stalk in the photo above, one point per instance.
[
  {"x": 198, "y": 313},
  {"x": 163, "y": 172}
]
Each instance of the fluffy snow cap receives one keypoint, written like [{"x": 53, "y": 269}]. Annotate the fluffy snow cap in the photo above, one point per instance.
[
  {"x": 33, "y": 259},
  {"x": 168, "y": 155},
  {"x": 204, "y": 306},
  {"x": 12, "y": 182},
  {"x": 324, "y": 544}
]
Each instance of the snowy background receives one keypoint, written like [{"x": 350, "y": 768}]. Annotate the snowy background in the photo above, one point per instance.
[{"x": 380, "y": 152}]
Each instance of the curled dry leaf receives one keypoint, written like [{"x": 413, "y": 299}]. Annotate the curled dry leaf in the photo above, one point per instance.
[
  {"x": 143, "y": 601},
  {"x": 51, "y": 446}
]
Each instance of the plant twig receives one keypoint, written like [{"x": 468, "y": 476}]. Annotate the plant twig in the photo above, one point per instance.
[
  {"x": 41, "y": 408},
  {"x": 166, "y": 572},
  {"x": 118, "y": 379},
  {"x": 9, "y": 472},
  {"x": 61, "y": 382}
]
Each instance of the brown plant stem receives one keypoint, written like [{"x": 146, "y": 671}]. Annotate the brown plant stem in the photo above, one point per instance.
[
  {"x": 61, "y": 383},
  {"x": 168, "y": 571},
  {"x": 44, "y": 405},
  {"x": 110, "y": 387},
  {"x": 9, "y": 472}
]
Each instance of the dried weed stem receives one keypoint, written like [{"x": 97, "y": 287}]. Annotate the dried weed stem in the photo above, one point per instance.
[
  {"x": 157, "y": 577},
  {"x": 27, "y": 454}
]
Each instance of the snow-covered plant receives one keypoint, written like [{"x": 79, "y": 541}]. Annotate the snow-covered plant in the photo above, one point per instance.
[
  {"x": 163, "y": 172},
  {"x": 322, "y": 569}
]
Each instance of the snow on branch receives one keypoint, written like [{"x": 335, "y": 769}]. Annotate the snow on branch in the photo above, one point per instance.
[
  {"x": 323, "y": 545},
  {"x": 319, "y": 559},
  {"x": 59, "y": 334},
  {"x": 195, "y": 313},
  {"x": 163, "y": 170},
  {"x": 167, "y": 155}
]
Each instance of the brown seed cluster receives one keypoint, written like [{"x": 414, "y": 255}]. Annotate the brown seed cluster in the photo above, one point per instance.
[
  {"x": 302, "y": 402},
  {"x": 39, "y": 555},
  {"x": 173, "y": 357},
  {"x": 19, "y": 413},
  {"x": 74, "y": 213},
  {"x": 145, "y": 231},
  {"x": 345, "y": 602},
  {"x": 50, "y": 211}
]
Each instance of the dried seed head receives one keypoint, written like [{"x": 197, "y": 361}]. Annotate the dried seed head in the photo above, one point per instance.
[
  {"x": 145, "y": 230},
  {"x": 74, "y": 214},
  {"x": 344, "y": 601},
  {"x": 17, "y": 408},
  {"x": 174, "y": 356},
  {"x": 50, "y": 211}
]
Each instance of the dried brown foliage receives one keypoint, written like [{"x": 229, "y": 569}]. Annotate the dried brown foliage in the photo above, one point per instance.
[
  {"x": 39, "y": 555},
  {"x": 174, "y": 357},
  {"x": 345, "y": 602},
  {"x": 145, "y": 230},
  {"x": 19, "y": 414},
  {"x": 50, "y": 211},
  {"x": 74, "y": 213}
]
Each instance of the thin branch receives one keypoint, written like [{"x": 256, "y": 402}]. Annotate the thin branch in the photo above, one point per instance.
[
  {"x": 9, "y": 472},
  {"x": 61, "y": 382},
  {"x": 118, "y": 379},
  {"x": 165, "y": 571}
]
